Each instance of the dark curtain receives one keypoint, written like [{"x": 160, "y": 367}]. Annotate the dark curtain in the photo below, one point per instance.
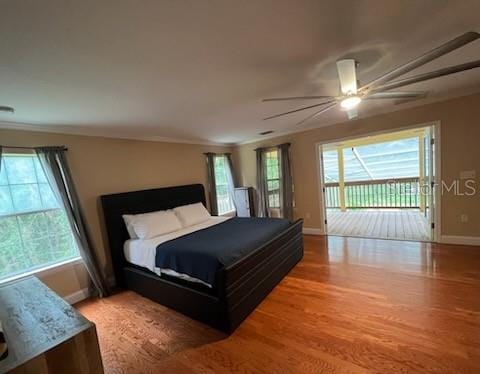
[
  {"x": 286, "y": 181},
  {"x": 233, "y": 175},
  {"x": 212, "y": 189},
  {"x": 262, "y": 204},
  {"x": 56, "y": 169}
]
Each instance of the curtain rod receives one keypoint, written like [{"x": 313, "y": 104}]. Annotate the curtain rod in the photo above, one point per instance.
[
  {"x": 272, "y": 146},
  {"x": 18, "y": 147}
]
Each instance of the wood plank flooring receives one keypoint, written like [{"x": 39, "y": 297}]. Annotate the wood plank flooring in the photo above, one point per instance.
[
  {"x": 384, "y": 224},
  {"x": 352, "y": 305}
]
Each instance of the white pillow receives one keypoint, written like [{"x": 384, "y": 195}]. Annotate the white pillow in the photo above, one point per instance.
[
  {"x": 149, "y": 225},
  {"x": 192, "y": 214},
  {"x": 128, "y": 218}
]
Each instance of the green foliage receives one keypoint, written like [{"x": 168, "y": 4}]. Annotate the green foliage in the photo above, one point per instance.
[
  {"x": 23, "y": 186},
  {"x": 220, "y": 170},
  {"x": 273, "y": 178},
  {"x": 224, "y": 201},
  {"x": 9, "y": 232},
  {"x": 272, "y": 164},
  {"x": 34, "y": 230},
  {"x": 273, "y": 185},
  {"x": 26, "y": 197},
  {"x": 6, "y": 204},
  {"x": 401, "y": 195},
  {"x": 34, "y": 240}
]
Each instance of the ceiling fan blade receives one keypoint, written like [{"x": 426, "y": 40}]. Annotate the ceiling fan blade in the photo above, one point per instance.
[
  {"x": 430, "y": 75},
  {"x": 397, "y": 95},
  {"x": 298, "y": 110},
  {"x": 352, "y": 113},
  {"x": 297, "y": 98},
  {"x": 328, "y": 107},
  {"x": 347, "y": 75},
  {"x": 450, "y": 46}
]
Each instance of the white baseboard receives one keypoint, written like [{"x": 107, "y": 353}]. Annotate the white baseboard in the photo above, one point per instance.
[
  {"x": 84, "y": 293},
  {"x": 77, "y": 296},
  {"x": 312, "y": 231},
  {"x": 447, "y": 239},
  {"x": 461, "y": 240}
]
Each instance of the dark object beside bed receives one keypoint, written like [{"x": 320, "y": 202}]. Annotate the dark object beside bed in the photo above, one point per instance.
[{"x": 238, "y": 288}]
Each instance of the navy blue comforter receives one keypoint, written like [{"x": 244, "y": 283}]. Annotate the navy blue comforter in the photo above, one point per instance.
[{"x": 202, "y": 253}]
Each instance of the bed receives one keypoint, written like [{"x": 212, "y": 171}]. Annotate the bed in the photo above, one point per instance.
[{"x": 239, "y": 283}]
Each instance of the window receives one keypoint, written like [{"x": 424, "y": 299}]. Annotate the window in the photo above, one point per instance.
[
  {"x": 34, "y": 229},
  {"x": 273, "y": 178},
  {"x": 224, "y": 200}
]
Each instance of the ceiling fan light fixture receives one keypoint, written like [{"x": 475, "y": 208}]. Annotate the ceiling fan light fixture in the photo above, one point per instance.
[
  {"x": 350, "y": 102},
  {"x": 348, "y": 76},
  {"x": 352, "y": 93}
]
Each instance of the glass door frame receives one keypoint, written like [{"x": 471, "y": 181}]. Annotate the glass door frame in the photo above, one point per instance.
[{"x": 434, "y": 172}]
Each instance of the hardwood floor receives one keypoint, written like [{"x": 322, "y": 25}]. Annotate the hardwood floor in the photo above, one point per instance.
[
  {"x": 384, "y": 224},
  {"x": 351, "y": 305}
]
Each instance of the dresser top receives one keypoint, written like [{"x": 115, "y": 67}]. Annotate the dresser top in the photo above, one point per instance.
[{"x": 35, "y": 319}]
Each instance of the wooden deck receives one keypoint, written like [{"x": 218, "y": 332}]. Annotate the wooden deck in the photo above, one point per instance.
[{"x": 384, "y": 224}]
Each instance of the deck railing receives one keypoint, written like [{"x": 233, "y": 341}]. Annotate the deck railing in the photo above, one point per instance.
[
  {"x": 224, "y": 204},
  {"x": 380, "y": 193}
]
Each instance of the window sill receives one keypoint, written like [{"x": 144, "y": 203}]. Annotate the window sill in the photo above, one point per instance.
[
  {"x": 230, "y": 213},
  {"x": 49, "y": 269}
]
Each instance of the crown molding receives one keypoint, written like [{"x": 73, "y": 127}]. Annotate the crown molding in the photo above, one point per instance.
[
  {"x": 163, "y": 139},
  {"x": 73, "y": 131}
]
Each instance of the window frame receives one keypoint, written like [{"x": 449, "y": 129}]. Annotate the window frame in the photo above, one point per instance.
[
  {"x": 231, "y": 202},
  {"x": 49, "y": 266},
  {"x": 275, "y": 193},
  {"x": 45, "y": 270}
]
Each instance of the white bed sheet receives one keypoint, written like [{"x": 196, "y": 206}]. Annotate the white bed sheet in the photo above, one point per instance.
[{"x": 142, "y": 252}]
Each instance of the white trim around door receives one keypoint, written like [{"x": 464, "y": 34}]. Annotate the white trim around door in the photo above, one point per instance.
[{"x": 435, "y": 126}]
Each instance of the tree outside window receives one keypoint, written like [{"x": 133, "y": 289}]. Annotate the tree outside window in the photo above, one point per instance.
[
  {"x": 224, "y": 198},
  {"x": 34, "y": 228},
  {"x": 273, "y": 178}
]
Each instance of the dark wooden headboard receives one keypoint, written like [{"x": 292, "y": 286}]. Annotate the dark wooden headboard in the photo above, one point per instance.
[{"x": 135, "y": 202}]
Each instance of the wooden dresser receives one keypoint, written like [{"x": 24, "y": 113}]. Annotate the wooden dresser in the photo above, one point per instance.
[{"x": 44, "y": 333}]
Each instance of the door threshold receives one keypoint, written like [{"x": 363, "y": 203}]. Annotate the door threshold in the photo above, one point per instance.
[{"x": 382, "y": 238}]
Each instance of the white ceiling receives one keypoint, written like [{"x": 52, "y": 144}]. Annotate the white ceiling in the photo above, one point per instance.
[{"x": 197, "y": 70}]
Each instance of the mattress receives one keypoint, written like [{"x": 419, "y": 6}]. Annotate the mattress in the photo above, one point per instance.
[{"x": 142, "y": 252}]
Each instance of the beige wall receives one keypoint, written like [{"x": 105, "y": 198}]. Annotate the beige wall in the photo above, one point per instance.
[
  {"x": 103, "y": 166},
  {"x": 460, "y": 150}
]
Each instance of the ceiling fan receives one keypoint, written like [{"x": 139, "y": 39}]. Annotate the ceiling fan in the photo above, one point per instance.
[{"x": 352, "y": 93}]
